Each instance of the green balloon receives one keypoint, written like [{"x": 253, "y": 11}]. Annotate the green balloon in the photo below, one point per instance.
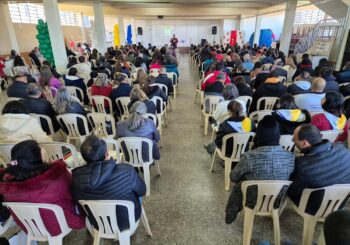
[{"x": 40, "y": 22}]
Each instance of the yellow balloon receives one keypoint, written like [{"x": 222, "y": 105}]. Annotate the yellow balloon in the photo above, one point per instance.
[{"x": 116, "y": 35}]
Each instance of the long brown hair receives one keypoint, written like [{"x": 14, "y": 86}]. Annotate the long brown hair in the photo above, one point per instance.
[{"x": 45, "y": 76}]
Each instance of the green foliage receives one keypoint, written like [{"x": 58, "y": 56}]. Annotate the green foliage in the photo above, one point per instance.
[{"x": 43, "y": 38}]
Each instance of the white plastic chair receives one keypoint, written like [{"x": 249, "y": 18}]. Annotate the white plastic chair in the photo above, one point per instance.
[
  {"x": 175, "y": 81},
  {"x": 247, "y": 100},
  {"x": 286, "y": 141},
  {"x": 257, "y": 116},
  {"x": 122, "y": 104},
  {"x": 154, "y": 72},
  {"x": 334, "y": 196},
  {"x": 164, "y": 88},
  {"x": 9, "y": 225},
  {"x": 199, "y": 91},
  {"x": 40, "y": 118},
  {"x": 161, "y": 112},
  {"x": 239, "y": 146},
  {"x": 267, "y": 204},
  {"x": 104, "y": 212},
  {"x": 133, "y": 149},
  {"x": 98, "y": 104},
  {"x": 57, "y": 150},
  {"x": 99, "y": 120},
  {"x": 290, "y": 75},
  {"x": 209, "y": 106},
  {"x": 70, "y": 121},
  {"x": 47, "y": 94},
  {"x": 5, "y": 153},
  {"x": 282, "y": 79},
  {"x": 331, "y": 135},
  {"x": 269, "y": 103},
  {"x": 156, "y": 122},
  {"x": 29, "y": 215},
  {"x": 74, "y": 91},
  {"x": 113, "y": 149},
  {"x": 14, "y": 98}
]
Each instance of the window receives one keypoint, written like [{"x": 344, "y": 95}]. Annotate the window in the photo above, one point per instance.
[
  {"x": 69, "y": 18},
  {"x": 26, "y": 12},
  {"x": 30, "y": 13},
  {"x": 308, "y": 17}
]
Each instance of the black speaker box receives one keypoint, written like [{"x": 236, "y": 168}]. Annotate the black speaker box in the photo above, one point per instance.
[
  {"x": 214, "y": 30},
  {"x": 139, "y": 31}
]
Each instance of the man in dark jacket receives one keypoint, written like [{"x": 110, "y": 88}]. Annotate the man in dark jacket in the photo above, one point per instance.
[
  {"x": 323, "y": 164},
  {"x": 217, "y": 87},
  {"x": 36, "y": 105},
  {"x": 344, "y": 76},
  {"x": 19, "y": 87},
  {"x": 271, "y": 88},
  {"x": 103, "y": 179},
  {"x": 164, "y": 79},
  {"x": 123, "y": 90},
  {"x": 279, "y": 69},
  {"x": 35, "y": 59},
  {"x": 327, "y": 74}
]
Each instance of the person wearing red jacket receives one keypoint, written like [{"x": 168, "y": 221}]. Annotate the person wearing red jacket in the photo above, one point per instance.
[
  {"x": 219, "y": 68},
  {"x": 102, "y": 87},
  {"x": 29, "y": 179}
]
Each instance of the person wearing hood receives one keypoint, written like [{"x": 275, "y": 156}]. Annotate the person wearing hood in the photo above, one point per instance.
[
  {"x": 289, "y": 116},
  {"x": 271, "y": 88},
  {"x": 301, "y": 85},
  {"x": 103, "y": 179},
  {"x": 17, "y": 125},
  {"x": 29, "y": 178},
  {"x": 331, "y": 84},
  {"x": 332, "y": 118},
  {"x": 248, "y": 65},
  {"x": 304, "y": 65}
]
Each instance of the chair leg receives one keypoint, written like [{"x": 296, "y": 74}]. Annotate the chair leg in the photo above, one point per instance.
[
  {"x": 96, "y": 237},
  {"x": 145, "y": 223},
  {"x": 212, "y": 161},
  {"x": 212, "y": 135},
  {"x": 276, "y": 226},
  {"x": 309, "y": 229},
  {"x": 124, "y": 238},
  {"x": 147, "y": 178},
  {"x": 158, "y": 168},
  {"x": 55, "y": 240},
  {"x": 248, "y": 225},
  {"x": 169, "y": 101},
  {"x": 206, "y": 123},
  {"x": 195, "y": 97},
  {"x": 228, "y": 165}
]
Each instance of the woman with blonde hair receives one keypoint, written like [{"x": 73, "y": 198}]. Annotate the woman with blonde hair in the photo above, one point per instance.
[
  {"x": 48, "y": 81},
  {"x": 141, "y": 77},
  {"x": 289, "y": 65},
  {"x": 137, "y": 94},
  {"x": 139, "y": 126}
]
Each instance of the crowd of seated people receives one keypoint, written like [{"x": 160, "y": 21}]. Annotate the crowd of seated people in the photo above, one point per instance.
[{"x": 310, "y": 101}]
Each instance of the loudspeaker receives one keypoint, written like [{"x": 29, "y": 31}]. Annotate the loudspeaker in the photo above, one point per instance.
[
  {"x": 203, "y": 42},
  {"x": 214, "y": 30},
  {"x": 139, "y": 31}
]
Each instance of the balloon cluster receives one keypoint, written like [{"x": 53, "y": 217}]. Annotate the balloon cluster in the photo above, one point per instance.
[
  {"x": 43, "y": 38},
  {"x": 116, "y": 35}
]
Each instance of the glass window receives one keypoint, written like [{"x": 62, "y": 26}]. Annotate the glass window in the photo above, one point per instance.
[{"x": 308, "y": 17}]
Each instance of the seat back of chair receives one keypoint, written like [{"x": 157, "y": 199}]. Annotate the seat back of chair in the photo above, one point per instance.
[
  {"x": 133, "y": 76},
  {"x": 58, "y": 150},
  {"x": 152, "y": 117},
  {"x": 173, "y": 77},
  {"x": 98, "y": 102},
  {"x": 270, "y": 194},
  {"x": 163, "y": 87},
  {"x": 104, "y": 213},
  {"x": 74, "y": 91},
  {"x": 99, "y": 120},
  {"x": 290, "y": 75},
  {"x": 113, "y": 149},
  {"x": 5, "y": 153},
  {"x": 133, "y": 147},
  {"x": 8, "y": 72},
  {"x": 282, "y": 79},
  {"x": 286, "y": 141},
  {"x": 334, "y": 198},
  {"x": 70, "y": 121},
  {"x": 29, "y": 215},
  {"x": 331, "y": 135},
  {"x": 239, "y": 146},
  {"x": 247, "y": 100},
  {"x": 158, "y": 101},
  {"x": 269, "y": 103},
  {"x": 154, "y": 72},
  {"x": 259, "y": 115},
  {"x": 42, "y": 119},
  {"x": 122, "y": 104},
  {"x": 210, "y": 103}
]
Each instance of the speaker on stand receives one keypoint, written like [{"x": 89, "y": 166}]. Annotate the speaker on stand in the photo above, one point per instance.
[
  {"x": 139, "y": 35},
  {"x": 214, "y": 31}
]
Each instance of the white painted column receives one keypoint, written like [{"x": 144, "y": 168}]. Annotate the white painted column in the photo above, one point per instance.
[
  {"x": 100, "y": 29},
  {"x": 56, "y": 34},
  {"x": 122, "y": 30},
  {"x": 83, "y": 34},
  {"x": 288, "y": 23},
  {"x": 258, "y": 21},
  {"x": 10, "y": 33},
  {"x": 344, "y": 41}
]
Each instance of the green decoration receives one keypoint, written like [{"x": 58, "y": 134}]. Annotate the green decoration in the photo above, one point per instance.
[{"x": 43, "y": 38}]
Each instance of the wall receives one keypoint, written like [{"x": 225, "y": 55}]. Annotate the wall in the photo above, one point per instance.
[
  {"x": 273, "y": 22},
  {"x": 159, "y": 32},
  {"x": 247, "y": 28}
]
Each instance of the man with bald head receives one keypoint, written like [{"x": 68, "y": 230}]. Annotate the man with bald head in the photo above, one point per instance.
[
  {"x": 323, "y": 164},
  {"x": 163, "y": 79},
  {"x": 312, "y": 101}
]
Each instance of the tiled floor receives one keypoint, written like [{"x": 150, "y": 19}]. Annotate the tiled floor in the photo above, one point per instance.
[{"x": 187, "y": 203}]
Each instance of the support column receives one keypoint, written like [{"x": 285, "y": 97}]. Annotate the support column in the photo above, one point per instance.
[
  {"x": 121, "y": 30},
  {"x": 344, "y": 41},
  {"x": 257, "y": 29},
  {"x": 9, "y": 30},
  {"x": 288, "y": 23},
  {"x": 56, "y": 34},
  {"x": 100, "y": 27}
]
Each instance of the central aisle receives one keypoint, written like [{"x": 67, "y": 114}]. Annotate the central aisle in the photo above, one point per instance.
[{"x": 187, "y": 203}]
